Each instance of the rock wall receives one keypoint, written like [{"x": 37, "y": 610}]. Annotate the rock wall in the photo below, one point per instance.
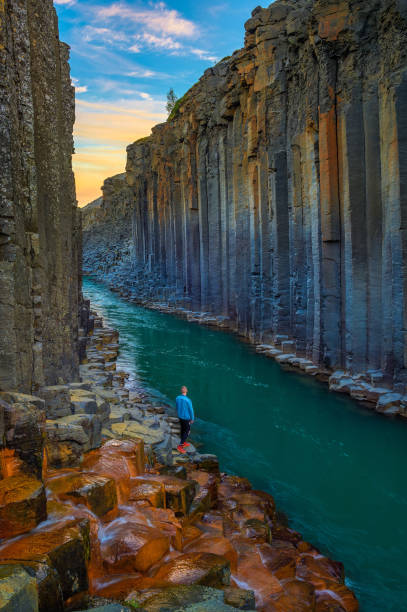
[
  {"x": 276, "y": 194},
  {"x": 111, "y": 244},
  {"x": 39, "y": 221}
]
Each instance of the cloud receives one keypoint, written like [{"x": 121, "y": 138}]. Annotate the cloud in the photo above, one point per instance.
[
  {"x": 158, "y": 19},
  {"x": 78, "y": 88},
  {"x": 142, "y": 73},
  {"x": 64, "y": 1},
  {"x": 102, "y": 132},
  {"x": 105, "y": 35},
  {"x": 204, "y": 55},
  {"x": 159, "y": 42}
]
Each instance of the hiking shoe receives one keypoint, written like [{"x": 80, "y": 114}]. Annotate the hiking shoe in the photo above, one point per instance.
[
  {"x": 181, "y": 449},
  {"x": 185, "y": 444}
]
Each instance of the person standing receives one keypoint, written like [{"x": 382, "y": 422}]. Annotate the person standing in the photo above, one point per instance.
[{"x": 186, "y": 417}]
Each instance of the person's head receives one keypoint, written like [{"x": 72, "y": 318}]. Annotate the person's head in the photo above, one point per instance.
[{"x": 184, "y": 390}]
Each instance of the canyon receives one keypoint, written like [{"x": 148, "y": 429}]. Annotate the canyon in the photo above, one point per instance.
[
  {"x": 272, "y": 200},
  {"x": 270, "y": 203}
]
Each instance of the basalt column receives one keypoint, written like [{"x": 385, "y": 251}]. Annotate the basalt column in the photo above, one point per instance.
[
  {"x": 39, "y": 222},
  {"x": 275, "y": 194}
]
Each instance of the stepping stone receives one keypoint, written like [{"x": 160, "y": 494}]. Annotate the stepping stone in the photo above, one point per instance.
[
  {"x": 23, "y": 505},
  {"x": 179, "y": 493},
  {"x": 98, "y": 493},
  {"x": 129, "y": 546}
]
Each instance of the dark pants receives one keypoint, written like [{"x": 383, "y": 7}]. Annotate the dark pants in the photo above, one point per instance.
[{"x": 185, "y": 429}]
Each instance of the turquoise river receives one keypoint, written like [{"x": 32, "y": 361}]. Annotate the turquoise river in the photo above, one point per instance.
[{"x": 335, "y": 468}]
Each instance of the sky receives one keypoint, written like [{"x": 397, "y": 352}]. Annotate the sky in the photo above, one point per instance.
[{"x": 125, "y": 55}]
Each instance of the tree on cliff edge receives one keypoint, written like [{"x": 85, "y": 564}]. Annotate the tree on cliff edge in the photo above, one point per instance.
[{"x": 171, "y": 101}]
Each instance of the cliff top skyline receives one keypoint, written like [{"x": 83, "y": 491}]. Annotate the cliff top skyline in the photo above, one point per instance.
[{"x": 124, "y": 57}]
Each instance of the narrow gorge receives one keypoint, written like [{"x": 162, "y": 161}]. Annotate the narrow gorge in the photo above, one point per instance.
[
  {"x": 273, "y": 198},
  {"x": 271, "y": 204}
]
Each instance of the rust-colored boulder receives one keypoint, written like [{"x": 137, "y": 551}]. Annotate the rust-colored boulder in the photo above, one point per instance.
[
  {"x": 179, "y": 493},
  {"x": 65, "y": 548},
  {"x": 128, "y": 546},
  {"x": 22, "y": 505},
  {"x": 98, "y": 493},
  {"x": 336, "y": 598},
  {"x": 297, "y": 595},
  {"x": 217, "y": 545},
  {"x": 318, "y": 570},
  {"x": 196, "y": 568},
  {"x": 146, "y": 490},
  {"x": 120, "y": 460}
]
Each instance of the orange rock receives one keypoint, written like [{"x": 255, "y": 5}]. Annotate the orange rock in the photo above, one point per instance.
[
  {"x": 117, "y": 587},
  {"x": 144, "y": 489},
  {"x": 128, "y": 546},
  {"x": 22, "y": 505},
  {"x": 217, "y": 545},
  {"x": 179, "y": 493},
  {"x": 297, "y": 595},
  {"x": 63, "y": 548},
  {"x": 98, "y": 493},
  {"x": 336, "y": 598},
  {"x": 280, "y": 558},
  {"x": 252, "y": 572},
  {"x": 190, "y": 533},
  {"x": 117, "y": 459},
  {"x": 196, "y": 568},
  {"x": 318, "y": 569}
]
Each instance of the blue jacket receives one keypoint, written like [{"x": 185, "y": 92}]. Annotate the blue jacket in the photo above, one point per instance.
[{"x": 184, "y": 408}]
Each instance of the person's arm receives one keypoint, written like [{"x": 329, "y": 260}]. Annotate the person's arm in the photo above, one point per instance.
[{"x": 191, "y": 409}]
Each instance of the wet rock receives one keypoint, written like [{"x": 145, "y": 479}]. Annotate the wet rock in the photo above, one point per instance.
[
  {"x": 297, "y": 595},
  {"x": 121, "y": 460},
  {"x": 22, "y": 505},
  {"x": 24, "y": 433},
  {"x": 146, "y": 490},
  {"x": 57, "y": 401},
  {"x": 65, "y": 549},
  {"x": 128, "y": 546},
  {"x": 179, "y": 493},
  {"x": 98, "y": 493},
  {"x": 18, "y": 590},
  {"x": 196, "y": 568},
  {"x": 217, "y": 545}
]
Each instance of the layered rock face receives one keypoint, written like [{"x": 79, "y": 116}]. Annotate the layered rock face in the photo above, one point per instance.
[
  {"x": 112, "y": 215},
  {"x": 276, "y": 194},
  {"x": 39, "y": 221}
]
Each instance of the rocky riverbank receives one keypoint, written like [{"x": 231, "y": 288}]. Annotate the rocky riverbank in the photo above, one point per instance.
[{"x": 97, "y": 508}]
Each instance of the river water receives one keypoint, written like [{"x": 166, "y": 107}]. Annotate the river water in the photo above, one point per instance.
[{"x": 336, "y": 469}]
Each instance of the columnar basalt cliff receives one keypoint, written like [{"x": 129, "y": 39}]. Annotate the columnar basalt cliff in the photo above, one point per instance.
[
  {"x": 39, "y": 220},
  {"x": 275, "y": 195}
]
